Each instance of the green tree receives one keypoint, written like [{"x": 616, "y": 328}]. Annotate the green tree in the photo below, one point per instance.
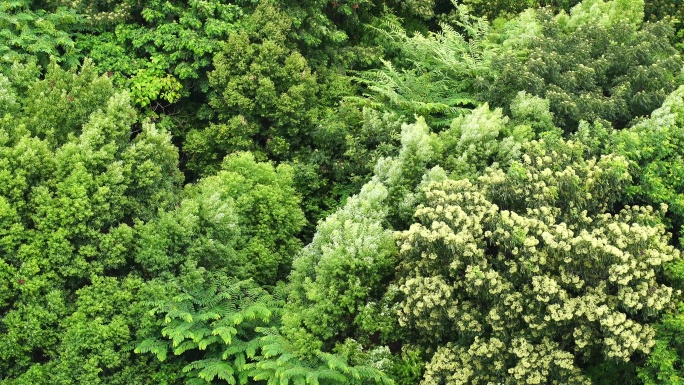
[
  {"x": 509, "y": 8},
  {"x": 517, "y": 193},
  {"x": 95, "y": 223},
  {"x": 264, "y": 93},
  {"x": 487, "y": 137},
  {"x": 599, "y": 63},
  {"x": 654, "y": 146},
  {"x": 224, "y": 329},
  {"x": 243, "y": 221},
  {"x": 159, "y": 50},
  {"x": 671, "y": 11},
  {"x": 212, "y": 323},
  {"x": 434, "y": 74},
  {"x": 338, "y": 274},
  {"x": 664, "y": 363},
  {"x": 74, "y": 179}
]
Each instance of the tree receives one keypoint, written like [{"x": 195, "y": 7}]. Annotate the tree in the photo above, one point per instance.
[
  {"x": 243, "y": 222},
  {"x": 75, "y": 178},
  {"x": 654, "y": 147},
  {"x": 264, "y": 93},
  {"x": 528, "y": 275},
  {"x": 95, "y": 223},
  {"x": 30, "y": 33},
  {"x": 433, "y": 74},
  {"x": 214, "y": 317},
  {"x": 487, "y": 218},
  {"x": 159, "y": 50},
  {"x": 338, "y": 274},
  {"x": 671, "y": 11},
  {"x": 599, "y": 63}
]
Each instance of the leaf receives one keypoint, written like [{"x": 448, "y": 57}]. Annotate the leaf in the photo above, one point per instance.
[
  {"x": 154, "y": 346},
  {"x": 226, "y": 333}
]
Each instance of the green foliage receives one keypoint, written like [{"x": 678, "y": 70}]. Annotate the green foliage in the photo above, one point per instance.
[
  {"x": 558, "y": 197},
  {"x": 73, "y": 179},
  {"x": 408, "y": 367},
  {"x": 485, "y": 138},
  {"x": 227, "y": 329},
  {"x": 160, "y": 50},
  {"x": 435, "y": 75},
  {"x": 503, "y": 8},
  {"x": 664, "y": 364},
  {"x": 30, "y": 34},
  {"x": 242, "y": 221},
  {"x": 267, "y": 99},
  {"x": 96, "y": 337},
  {"x": 654, "y": 9},
  {"x": 671, "y": 11},
  {"x": 336, "y": 29},
  {"x": 605, "y": 13},
  {"x": 339, "y": 272},
  {"x": 327, "y": 306},
  {"x": 264, "y": 93},
  {"x": 507, "y": 244},
  {"x": 347, "y": 144},
  {"x": 151, "y": 84},
  {"x": 213, "y": 325},
  {"x": 655, "y": 147},
  {"x": 402, "y": 173},
  {"x": 282, "y": 366},
  {"x": 80, "y": 93},
  {"x": 100, "y": 13},
  {"x": 91, "y": 209},
  {"x": 597, "y": 64}
]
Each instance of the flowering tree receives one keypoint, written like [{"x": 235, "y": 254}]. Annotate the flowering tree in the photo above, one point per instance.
[{"x": 534, "y": 275}]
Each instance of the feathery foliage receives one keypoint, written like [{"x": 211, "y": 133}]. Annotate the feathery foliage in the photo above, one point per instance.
[
  {"x": 476, "y": 198},
  {"x": 227, "y": 329},
  {"x": 214, "y": 323},
  {"x": 436, "y": 73}
]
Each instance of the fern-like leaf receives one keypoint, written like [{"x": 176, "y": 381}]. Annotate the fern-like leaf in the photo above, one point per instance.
[{"x": 154, "y": 346}]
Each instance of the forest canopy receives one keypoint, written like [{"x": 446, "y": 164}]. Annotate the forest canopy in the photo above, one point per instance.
[{"x": 333, "y": 192}]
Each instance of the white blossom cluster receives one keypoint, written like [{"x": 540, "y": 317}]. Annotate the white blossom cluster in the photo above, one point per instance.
[
  {"x": 523, "y": 275},
  {"x": 121, "y": 11}
]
